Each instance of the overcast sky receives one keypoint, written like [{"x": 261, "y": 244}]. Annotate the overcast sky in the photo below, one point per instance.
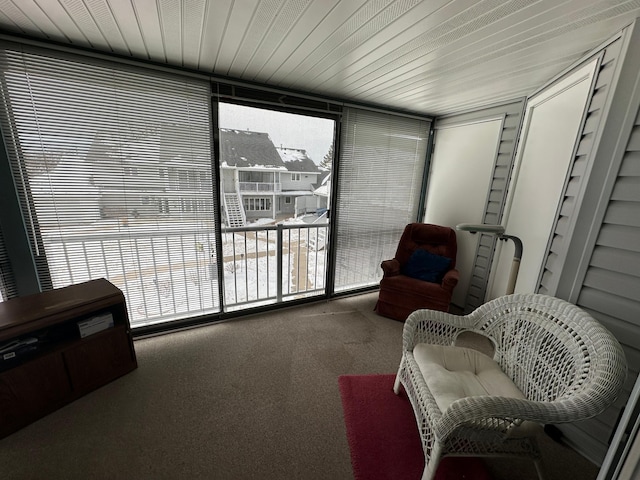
[{"x": 285, "y": 129}]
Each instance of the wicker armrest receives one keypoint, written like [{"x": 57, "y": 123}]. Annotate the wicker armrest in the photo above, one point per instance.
[
  {"x": 500, "y": 414},
  {"x": 433, "y": 326}
]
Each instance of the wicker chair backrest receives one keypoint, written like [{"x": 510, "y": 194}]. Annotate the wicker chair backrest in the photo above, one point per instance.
[{"x": 553, "y": 350}]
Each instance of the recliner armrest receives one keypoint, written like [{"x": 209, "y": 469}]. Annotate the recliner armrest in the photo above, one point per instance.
[
  {"x": 391, "y": 267},
  {"x": 450, "y": 279}
]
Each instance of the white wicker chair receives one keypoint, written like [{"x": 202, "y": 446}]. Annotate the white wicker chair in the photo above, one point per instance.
[{"x": 567, "y": 366}]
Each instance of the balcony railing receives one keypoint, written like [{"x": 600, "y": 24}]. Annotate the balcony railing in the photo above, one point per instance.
[
  {"x": 173, "y": 273},
  {"x": 247, "y": 187}
]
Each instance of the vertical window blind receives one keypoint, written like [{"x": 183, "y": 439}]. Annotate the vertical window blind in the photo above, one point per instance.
[
  {"x": 113, "y": 165},
  {"x": 380, "y": 176}
]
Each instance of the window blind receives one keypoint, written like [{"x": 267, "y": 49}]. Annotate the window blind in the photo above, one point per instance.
[
  {"x": 7, "y": 282},
  {"x": 381, "y": 169},
  {"x": 113, "y": 167}
]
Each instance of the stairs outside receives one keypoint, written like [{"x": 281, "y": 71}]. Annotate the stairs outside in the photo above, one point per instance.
[{"x": 233, "y": 210}]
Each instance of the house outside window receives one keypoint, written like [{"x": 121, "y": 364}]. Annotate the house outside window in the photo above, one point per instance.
[
  {"x": 287, "y": 200},
  {"x": 295, "y": 177}
]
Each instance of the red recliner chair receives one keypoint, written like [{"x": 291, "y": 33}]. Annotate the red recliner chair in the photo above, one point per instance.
[{"x": 422, "y": 274}]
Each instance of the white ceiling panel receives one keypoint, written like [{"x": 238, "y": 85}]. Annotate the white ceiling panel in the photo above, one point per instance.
[
  {"x": 311, "y": 43},
  {"x": 357, "y": 55},
  {"x": 400, "y": 43},
  {"x": 361, "y": 28},
  {"x": 264, "y": 66},
  {"x": 148, "y": 18},
  {"x": 78, "y": 11},
  {"x": 125, "y": 17},
  {"x": 269, "y": 25},
  {"x": 171, "y": 21},
  {"x": 433, "y": 57},
  {"x": 36, "y": 20},
  {"x": 193, "y": 14},
  {"x": 239, "y": 20},
  {"x": 214, "y": 23}
]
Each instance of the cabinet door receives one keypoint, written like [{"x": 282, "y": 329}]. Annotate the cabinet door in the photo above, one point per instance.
[
  {"x": 32, "y": 390},
  {"x": 99, "y": 359}
]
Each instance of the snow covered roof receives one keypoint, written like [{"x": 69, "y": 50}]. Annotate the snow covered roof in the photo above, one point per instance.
[
  {"x": 322, "y": 191},
  {"x": 325, "y": 186},
  {"x": 297, "y": 160},
  {"x": 244, "y": 148}
]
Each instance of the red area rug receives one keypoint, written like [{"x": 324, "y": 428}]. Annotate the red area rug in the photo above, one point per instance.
[{"x": 383, "y": 436}]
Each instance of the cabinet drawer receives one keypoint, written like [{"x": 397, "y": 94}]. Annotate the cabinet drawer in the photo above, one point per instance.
[
  {"x": 99, "y": 359},
  {"x": 31, "y": 391}
]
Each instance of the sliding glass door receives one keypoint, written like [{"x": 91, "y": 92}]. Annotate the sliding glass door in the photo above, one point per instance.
[{"x": 275, "y": 173}]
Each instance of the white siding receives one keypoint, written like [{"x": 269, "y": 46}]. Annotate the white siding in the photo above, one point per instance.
[
  {"x": 571, "y": 199},
  {"x": 594, "y": 256},
  {"x": 611, "y": 287}
]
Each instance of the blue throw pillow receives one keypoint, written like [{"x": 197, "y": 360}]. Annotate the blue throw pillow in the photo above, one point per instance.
[{"x": 426, "y": 266}]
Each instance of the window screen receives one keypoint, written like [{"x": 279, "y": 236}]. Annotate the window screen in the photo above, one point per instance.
[
  {"x": 379, "y": 184},
  {"x": 113, "y": 168}
]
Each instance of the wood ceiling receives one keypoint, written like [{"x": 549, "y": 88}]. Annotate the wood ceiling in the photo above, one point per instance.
[{"x": 431, "y": 57}]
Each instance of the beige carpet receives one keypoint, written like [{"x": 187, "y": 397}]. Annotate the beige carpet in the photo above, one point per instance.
[{"x": 248, "y": 399}]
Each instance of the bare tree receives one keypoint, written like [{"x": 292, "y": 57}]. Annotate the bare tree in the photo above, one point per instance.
[{"x": 327, "y": 161}]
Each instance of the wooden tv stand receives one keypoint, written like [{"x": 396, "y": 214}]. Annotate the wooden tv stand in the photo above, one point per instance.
[{"x": 61, "y": 366}]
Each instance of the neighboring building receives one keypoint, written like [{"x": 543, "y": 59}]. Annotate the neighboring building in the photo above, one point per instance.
[
  {"x": 323, "y": 192},
  {"x": 69, "y": 183},
  {"x": 262, "y": 181},
  {"x": 180, "y": 187},
  {"x": 298, "y": 184},
  {"x": 258, "y": 180}
]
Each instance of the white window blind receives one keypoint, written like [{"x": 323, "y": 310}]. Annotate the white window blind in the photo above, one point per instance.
[
  {"x": 113, "y": 167},
  {"x": 380, "y": 178},
  {"x": 7, "y": 281}
]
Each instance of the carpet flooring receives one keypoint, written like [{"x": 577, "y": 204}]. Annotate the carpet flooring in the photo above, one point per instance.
[
  {"x": 251, "y": 399},
  {"x": 383, "y": 437}
]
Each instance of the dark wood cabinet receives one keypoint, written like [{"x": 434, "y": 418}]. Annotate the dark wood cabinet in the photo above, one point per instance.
[
  {"x": 99, "y": 359},
  {"x": 61, "y": 366},
  {"x": 32, "y": 390}
]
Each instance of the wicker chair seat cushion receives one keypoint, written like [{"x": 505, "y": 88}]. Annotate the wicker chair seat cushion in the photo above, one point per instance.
[{"x": 452, "y": 373}]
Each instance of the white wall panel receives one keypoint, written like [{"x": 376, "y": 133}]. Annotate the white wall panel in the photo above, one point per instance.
[
  {"x": 461, "y": 173},
  {"x": 551, "y": 127}
]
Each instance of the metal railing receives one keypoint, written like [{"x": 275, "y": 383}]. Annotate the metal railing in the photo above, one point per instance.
[
  {"x": 273, "y": 263},
  {"x": 173, "y": 273},
  {"x": 260, "y": 187}
]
